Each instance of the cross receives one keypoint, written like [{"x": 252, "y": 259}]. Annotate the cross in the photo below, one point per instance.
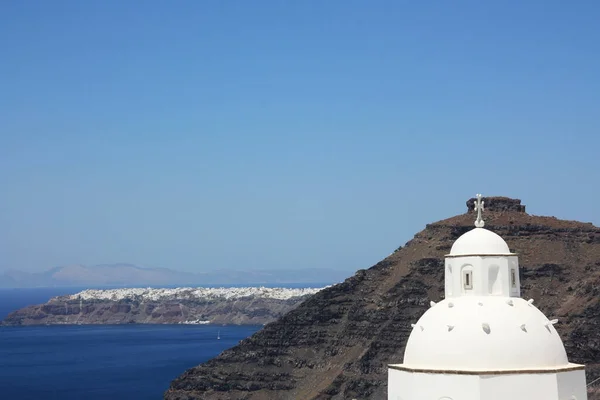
[{"x": 479, "y": 222}]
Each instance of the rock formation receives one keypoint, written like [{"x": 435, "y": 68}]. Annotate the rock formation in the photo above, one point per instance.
[{"x": 337, "y": 344}]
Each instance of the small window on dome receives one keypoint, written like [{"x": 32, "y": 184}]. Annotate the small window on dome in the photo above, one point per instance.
[
  {"x": 513, "y": 278},
  {"x": 468, "y": 280}
]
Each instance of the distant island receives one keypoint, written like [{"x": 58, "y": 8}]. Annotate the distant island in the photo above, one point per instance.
[
  {"x": 129, "y": 275},
  {"x": 236, "y": 306}
]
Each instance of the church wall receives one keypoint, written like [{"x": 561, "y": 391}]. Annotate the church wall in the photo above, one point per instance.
[
  {"x": 448, "y": 279},
  {"x": 494, "y": 280},
  {"x": 520, "y": 387},
  {"x": 399, "y": 385},
  {"x": 404, "y": 385},
  {"x": 572, "y": 383},
  {"x": 489, "y": 276},
  {"x": 495, "y": 276}
]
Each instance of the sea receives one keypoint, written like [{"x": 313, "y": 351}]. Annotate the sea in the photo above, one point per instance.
[{"x": 98, "y": 362}]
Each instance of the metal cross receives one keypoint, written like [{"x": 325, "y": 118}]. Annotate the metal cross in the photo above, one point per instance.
[{"x": 479, "y": 222}]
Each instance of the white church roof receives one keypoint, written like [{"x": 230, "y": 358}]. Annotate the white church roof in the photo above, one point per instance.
[
  {"x": 479, "y": 241},
  {"x": 483, "y": 324},
  {"x": 484, "y": 333},
  {"x": 483, "y": 341}
]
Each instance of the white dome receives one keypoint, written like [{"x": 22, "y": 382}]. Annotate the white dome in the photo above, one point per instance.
[
  {"x": 479, "y": 241},
  {"x": 484, "y": 334}
]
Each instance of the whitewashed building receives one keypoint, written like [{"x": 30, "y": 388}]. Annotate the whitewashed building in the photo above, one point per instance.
[{"x": 483, "y": 341}]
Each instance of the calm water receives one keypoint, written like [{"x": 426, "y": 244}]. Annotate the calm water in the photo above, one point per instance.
[{"x": 100, "y": 362}]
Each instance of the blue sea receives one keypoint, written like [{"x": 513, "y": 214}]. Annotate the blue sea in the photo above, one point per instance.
[{"x": 100, "y": 361}]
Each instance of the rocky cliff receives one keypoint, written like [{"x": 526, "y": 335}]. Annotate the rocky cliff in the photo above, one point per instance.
[
  {"x": 337, "y": 344},
  {"x": 237, "y": 306}
]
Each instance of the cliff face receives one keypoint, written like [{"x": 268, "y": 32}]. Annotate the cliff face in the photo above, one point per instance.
[
  {"x": 237, "y": 306},
  {"x": 337, "y": 344}
]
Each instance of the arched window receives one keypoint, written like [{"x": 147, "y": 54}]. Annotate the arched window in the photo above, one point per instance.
[{"x": 467, "y": 277}]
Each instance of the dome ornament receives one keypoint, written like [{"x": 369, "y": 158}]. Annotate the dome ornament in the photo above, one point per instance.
[{"x": 479, "y": 222}]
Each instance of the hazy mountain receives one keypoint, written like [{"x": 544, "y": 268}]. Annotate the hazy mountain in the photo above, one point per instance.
[{"x": 132, "y": 275}]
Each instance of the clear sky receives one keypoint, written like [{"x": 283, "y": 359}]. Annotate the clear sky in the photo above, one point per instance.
[{"x": 197, "y": 135}]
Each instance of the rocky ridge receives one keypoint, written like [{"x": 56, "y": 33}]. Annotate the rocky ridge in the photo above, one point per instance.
[
  {"x": 239, "y": 306},
  {"x": 337, "y": 344}
]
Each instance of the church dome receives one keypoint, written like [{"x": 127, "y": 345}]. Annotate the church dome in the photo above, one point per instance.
[
  {"x": 484, "y": 334},
  {"x": 479, "y": 241}
]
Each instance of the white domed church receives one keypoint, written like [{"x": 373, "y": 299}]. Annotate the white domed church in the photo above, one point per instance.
[{"x": 483, "y": 341}]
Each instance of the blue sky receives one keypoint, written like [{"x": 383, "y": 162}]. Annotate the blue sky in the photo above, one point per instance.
[{"x": 199, "y": 135}]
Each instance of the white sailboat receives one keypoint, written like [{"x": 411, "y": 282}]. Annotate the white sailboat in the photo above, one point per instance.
[{"x": 219, "y": 335}]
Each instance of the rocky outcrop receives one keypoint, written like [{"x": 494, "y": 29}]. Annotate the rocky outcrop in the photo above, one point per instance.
[
  {"x": 498, "y": 204},
  {"x": 337, "y": 344},
  {"x": 236, "y": 306}
]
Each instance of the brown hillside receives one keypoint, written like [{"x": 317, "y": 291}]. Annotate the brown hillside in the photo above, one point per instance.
[{"x": 337, "y": 344}]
